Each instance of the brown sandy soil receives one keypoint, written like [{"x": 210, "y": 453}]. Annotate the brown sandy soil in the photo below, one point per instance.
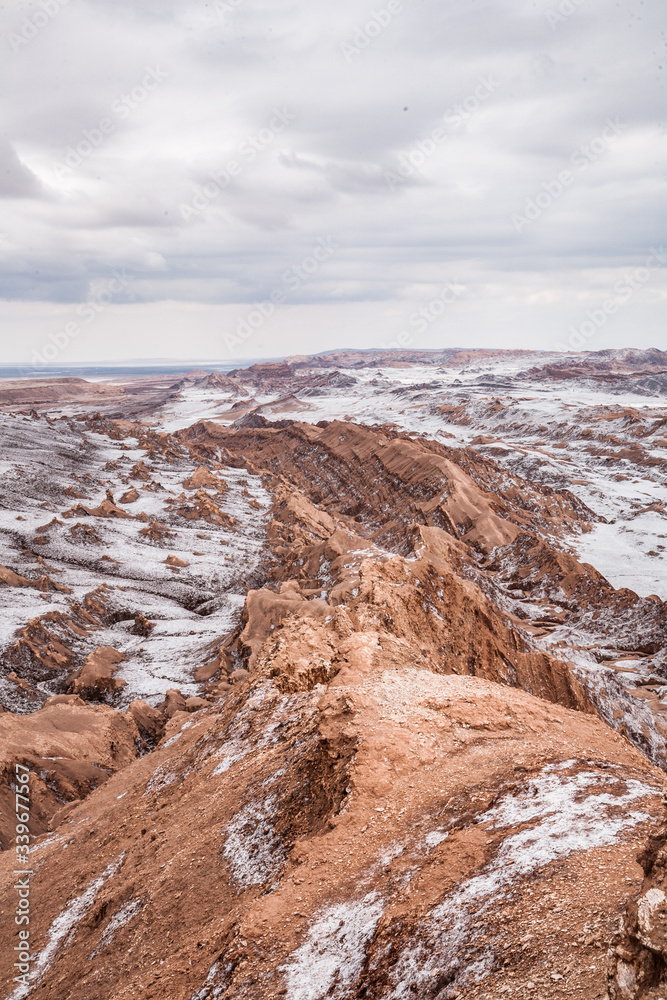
[{"x": 346, "y": 835}]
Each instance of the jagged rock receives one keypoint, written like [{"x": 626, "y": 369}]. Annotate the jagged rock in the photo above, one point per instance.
[
  {"x": 194, "y": 704},
  {"x": 400, "y": 783},
  {"x": 70, "y": 748},
  {"x": 12, "y": 579},
  {"x": 156, "y": 532},
  {"x": 637, "y": 965},
  {"x": 174, "y": 702},
  {"x": 176, "y": 562},
  {"x": 64, "y": 699},
  {"x": 142, "y": 626},
  {"x": 96, "y": 675},
  {"x": 202, "y": 478},
  {"x": 129, "y": 496},
  {"x": 149, "y": 721},
  {"x": 415, "y": 814},
  {"x": 203, "y": 507},
  {"x": 209, "y": 670},
  {"x": 85, "y": 534},
  {"x": 106, "y": 509}
]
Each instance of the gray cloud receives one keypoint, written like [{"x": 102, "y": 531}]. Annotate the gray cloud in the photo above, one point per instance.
[
  {"x": 16, "y": 179},
  {"x": 124, "y": 113}
]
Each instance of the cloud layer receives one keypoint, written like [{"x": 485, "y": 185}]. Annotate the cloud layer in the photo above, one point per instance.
[{"x": 205, "y": 150}]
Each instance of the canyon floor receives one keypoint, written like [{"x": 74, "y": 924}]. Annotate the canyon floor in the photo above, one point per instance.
[{"x": 340, "y": 677}]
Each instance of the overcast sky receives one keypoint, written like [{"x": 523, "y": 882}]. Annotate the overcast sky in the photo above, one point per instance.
[{"x": 167, "y": 167}]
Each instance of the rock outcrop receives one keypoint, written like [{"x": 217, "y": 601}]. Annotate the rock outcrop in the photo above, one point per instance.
[{"x": 637, "y": 967}]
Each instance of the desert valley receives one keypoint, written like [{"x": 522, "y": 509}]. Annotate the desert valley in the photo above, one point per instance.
[{"x": 339, "y": 677}]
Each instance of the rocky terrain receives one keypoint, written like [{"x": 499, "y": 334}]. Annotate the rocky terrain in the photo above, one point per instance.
[{"x": 338, "y": 677}]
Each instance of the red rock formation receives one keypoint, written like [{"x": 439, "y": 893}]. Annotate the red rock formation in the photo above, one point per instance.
[
  {"x": 391, "y": 826},
  {"x": 96, "y": 676},
  {"x": 70, "y": 749},
  {"x": 637, "y": 966},
  {"x": 202, "y": 478}
]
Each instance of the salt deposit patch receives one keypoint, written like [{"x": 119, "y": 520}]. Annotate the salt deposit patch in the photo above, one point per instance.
[
  {"x": 205, "y": 992},
  {"x": 63, "y": 928},
  {"x": 253, "y": 850},
  {"x": 560, "y": 813},
  {"x": 119, "y": 919},
  {"x": 621, "y": 553},
  {"x": 238, "y": 743},
  {"x": 202, "y": 404},
  {"x": 191, "y": 606},
  {"x": 332, "y": 956}
]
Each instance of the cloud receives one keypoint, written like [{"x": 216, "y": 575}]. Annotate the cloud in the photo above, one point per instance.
[
  {"x": 16, "y": 179},
  {"x": 103, "y": 165}
]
